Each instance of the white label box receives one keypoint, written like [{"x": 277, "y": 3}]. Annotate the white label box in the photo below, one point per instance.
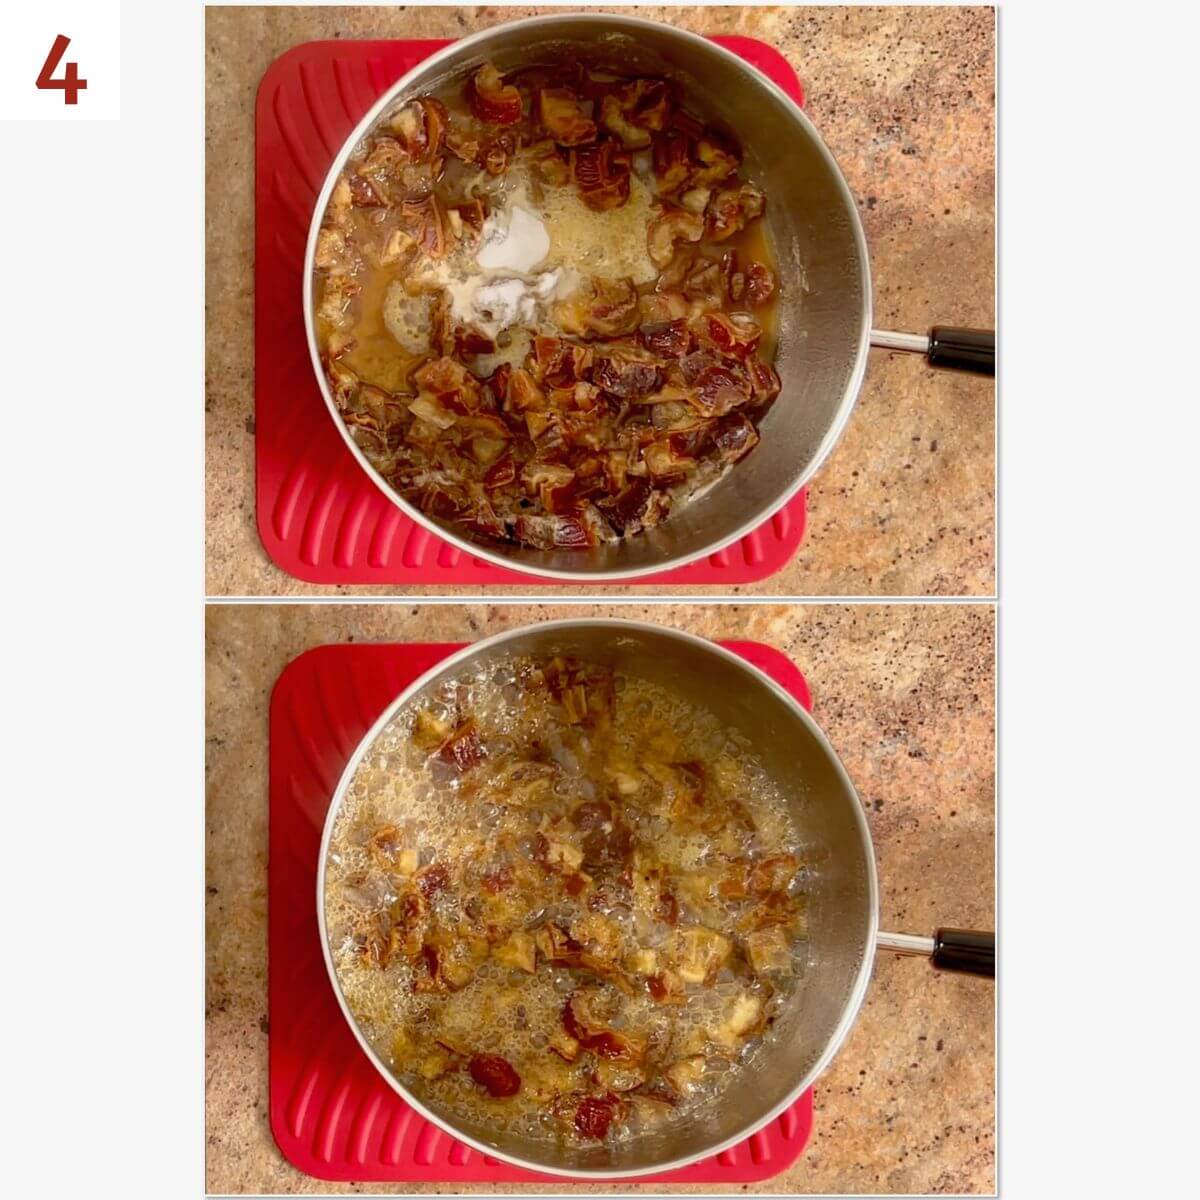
[{"x": 60, "y": 60}]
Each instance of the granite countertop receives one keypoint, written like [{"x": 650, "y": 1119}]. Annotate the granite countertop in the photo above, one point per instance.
[
  {"x": 905, "y": 98},
  {"x": 906, "y": 695}
]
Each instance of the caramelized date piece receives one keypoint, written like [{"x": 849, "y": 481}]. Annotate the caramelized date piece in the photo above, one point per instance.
[
  {"x": 734, "y": 336},
  {"x": 491, "y": 99},
  {"x": 675, "y": 225},
  {"x": 601, "y": 173},
  {"x": 667, "y": 339},
  {"x": 718, "y": 390},
  {"x": 665, "y": 463},
  {"x": 553, "y": 483},
  {"x": 604, "y": 308},
  {"x": 365, "y": 193},
  {"x": 433, "y": 879},
  {"x": 425, "y": 220},
  {"x": 732, "y": 209},
  {"x": 718, "y": 159},
  {"x": 764, "y": 381},
  {"x": 760, "y": 283},
  {"x": 563, "y": 118},
  {"x": 660, "y": 308},
  {"x": 522, "y": 394},
  {"x": 632, "y": 111},
  {"x": 470, "y": 342},
  {"x": 559, "y": 363},
  {"x": 626, "y": 376},
  {"x": 500, "y": 474},
  {"x": 594, "y": 1115},
  {"x": 496, "y": 153},
  {"x": 592, "y": 815},
  {"x": 614, "y": 119},
  {"x": 628, "y": 506},
  {"x": 735, "y": 437},
  {"x": 704, "y": 284},
  {"x": 553, "y": 533},
  {"x": 672, "y": 161},
  {"x": 463, "y": 749},
  {"x": 776, "y": 908},
  {"x": 771, "y": 874},
  {"x": 495, "y": 1074},
  {"x": 548, "y": 163},
  {"x": 450, "y": 383},
  {"x": 592, "y": 1034},
  {"x": 421, "y": 126},
  {"x": 604, "y": 849},
  {"x": 699, "y": 953}
]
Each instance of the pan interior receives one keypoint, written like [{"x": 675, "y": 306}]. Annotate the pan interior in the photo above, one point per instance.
[
  {"x": 813, "y": 227},
  {"x": 838, "y": 889}
]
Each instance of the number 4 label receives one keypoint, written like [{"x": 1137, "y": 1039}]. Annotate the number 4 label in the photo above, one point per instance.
[{"x": 70, "y": 84}]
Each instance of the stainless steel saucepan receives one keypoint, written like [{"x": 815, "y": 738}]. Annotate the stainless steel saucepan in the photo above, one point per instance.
[
  {"x": 841, "y": 889},
  {"x": 825, "y": 299}
]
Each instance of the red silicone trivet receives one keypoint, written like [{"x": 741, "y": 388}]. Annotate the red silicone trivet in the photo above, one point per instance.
[
  {"x": 331, "y": 1114},
  {"x": 320, "y": 517}
]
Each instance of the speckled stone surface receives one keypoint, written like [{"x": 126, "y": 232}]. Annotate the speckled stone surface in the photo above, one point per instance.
[
  {"x": 906, "y": 695},
  {"x": 905, "y": 98}
]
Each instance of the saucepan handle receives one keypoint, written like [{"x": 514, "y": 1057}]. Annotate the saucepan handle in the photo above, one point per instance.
[
  {"x": 970, "y": 951},
  {"x": 945, "y": 346}
]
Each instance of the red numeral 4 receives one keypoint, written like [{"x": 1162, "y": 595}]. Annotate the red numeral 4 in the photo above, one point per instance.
[{"x": 70, "y": 84}]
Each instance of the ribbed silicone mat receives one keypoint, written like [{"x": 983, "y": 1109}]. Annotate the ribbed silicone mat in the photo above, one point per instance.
[
  {"x": 331, "y": 1114},
  {"x": 320, "y": 517}
]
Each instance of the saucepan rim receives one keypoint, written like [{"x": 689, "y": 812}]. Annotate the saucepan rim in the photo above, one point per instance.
[{"x": 618, "y": 626}]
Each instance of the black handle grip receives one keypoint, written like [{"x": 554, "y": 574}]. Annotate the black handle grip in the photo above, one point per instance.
[
  {"x": 968, "y": 950},
  {"x": 963, "y": 349}
]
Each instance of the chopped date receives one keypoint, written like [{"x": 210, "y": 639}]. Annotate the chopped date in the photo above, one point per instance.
[
  {"x": 500, "y": 474},
  {"x": 608, "y": 845},
  {"x": 628, "y": 505},
  {"x": 593, "y": 815},
  {"x": 595, "y": 1114},
  {"x": 611, "y": 1044},
  {"x": 433, "y": 879},
  {"x": 601, "y": 172},
  {"x": 563, "y": 118},
  {"x": 671, "y": 339},
  {"x": 760, "y": 283},
  {"x": 495, "y": 1074},
  {"x": 627, "y": 379},
  {"x": 463, "y": 749},
  {"x": 735, "y": 437},
  {"x": 493, "y": 100},
  {"x": 553, "y": 533},
  {"x": 498, "y": 881},
  {"x": 667, "y": 908}
]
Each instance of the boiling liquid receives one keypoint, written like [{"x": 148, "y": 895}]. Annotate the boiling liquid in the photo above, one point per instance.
[{"x": 453, "y": 819}]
